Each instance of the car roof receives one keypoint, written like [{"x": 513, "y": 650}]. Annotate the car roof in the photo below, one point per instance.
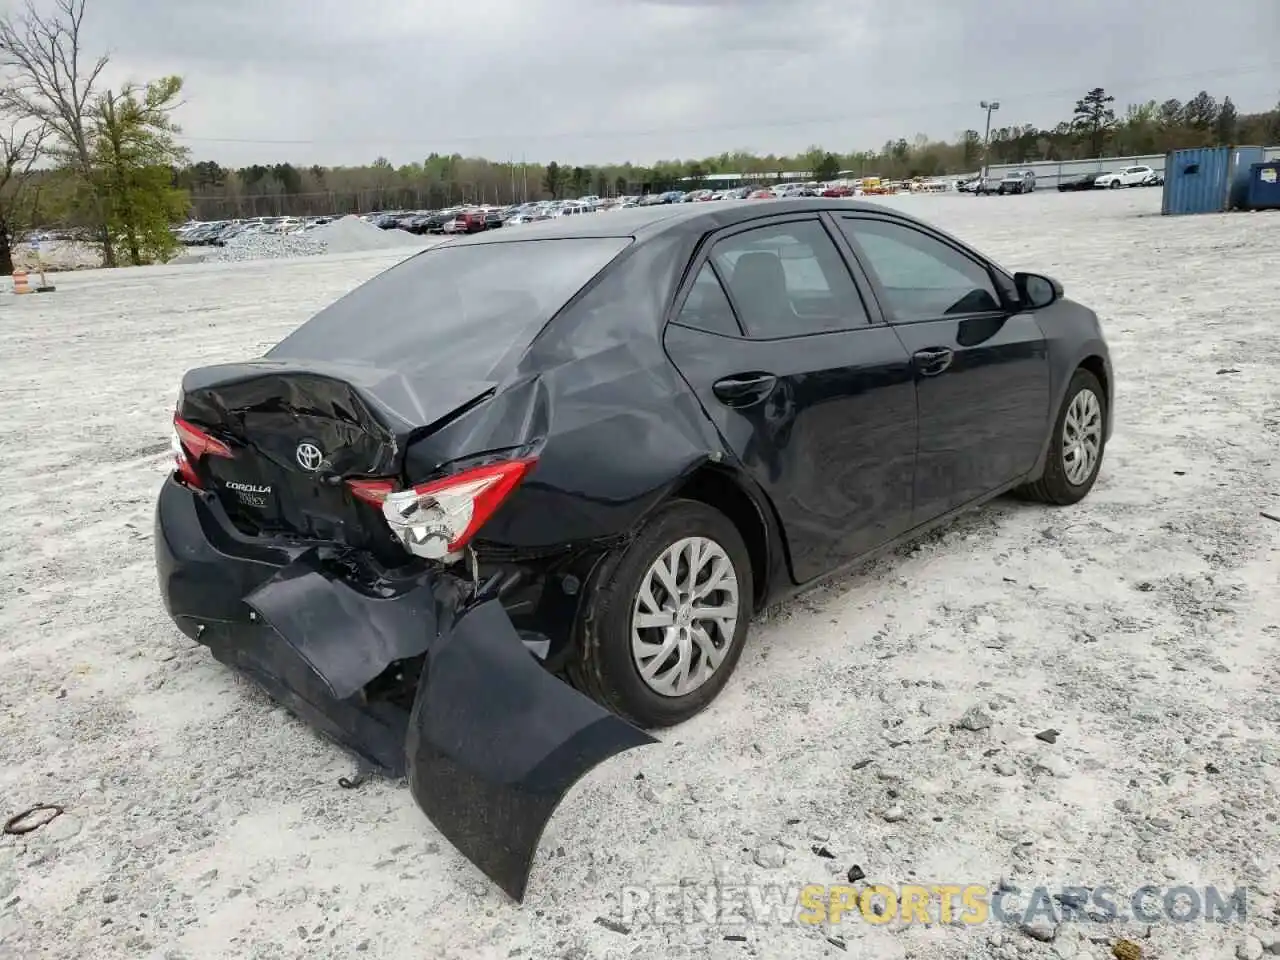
[{"x": 648, "y": 221}]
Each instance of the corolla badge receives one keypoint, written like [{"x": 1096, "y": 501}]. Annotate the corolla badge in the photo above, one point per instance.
[{"x": 309, "y": 456}]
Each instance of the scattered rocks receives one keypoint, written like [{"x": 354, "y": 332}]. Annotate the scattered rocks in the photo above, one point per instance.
[
  {"x": 1040, "y": 928},
  {"x": 1054, "y": 766},
  {"x": 975, "y": 719},
  {"x": 771, "y": 856},
  {"x": 1048, "y": 736},
  {"x": 1250, "y": 948},
  {"x": 894, "y": 814},
  {"x": 1005, "y": 768},
  {"x": 856, "y": 873}
]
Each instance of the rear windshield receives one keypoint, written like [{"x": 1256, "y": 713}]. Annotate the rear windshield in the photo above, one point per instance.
[{"x": 452, "y": 302}]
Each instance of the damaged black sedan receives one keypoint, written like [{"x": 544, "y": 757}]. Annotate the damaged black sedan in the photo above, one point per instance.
[{"x": 489, "y": 517}]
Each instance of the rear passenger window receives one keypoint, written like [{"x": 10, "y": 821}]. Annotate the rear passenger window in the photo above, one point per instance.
[
  {"x": 788, "y": 280},
  {"x": 707, "y": 308}
]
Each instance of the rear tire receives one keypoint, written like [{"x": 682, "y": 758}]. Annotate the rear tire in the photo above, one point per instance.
[
  {"x": 615, "y": 644},
  {"x": 1081, "y": 419}
]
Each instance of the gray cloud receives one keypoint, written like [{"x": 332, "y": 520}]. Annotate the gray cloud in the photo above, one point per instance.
[{"x": 593, "y": 81}]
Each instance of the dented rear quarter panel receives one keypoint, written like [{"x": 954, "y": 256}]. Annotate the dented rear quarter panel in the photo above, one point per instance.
[{"x": 597, "y": 400}]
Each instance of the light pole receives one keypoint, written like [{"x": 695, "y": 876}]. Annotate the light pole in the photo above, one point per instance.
[{"x": 989, "y": 106}]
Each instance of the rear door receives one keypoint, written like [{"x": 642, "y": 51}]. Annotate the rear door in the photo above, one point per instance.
[
  {"x": 808, "y": 387},
  {"x": 981, "y": 369}
]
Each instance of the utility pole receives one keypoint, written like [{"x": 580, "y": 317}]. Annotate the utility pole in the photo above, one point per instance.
[{"x": 989, "y": 106}]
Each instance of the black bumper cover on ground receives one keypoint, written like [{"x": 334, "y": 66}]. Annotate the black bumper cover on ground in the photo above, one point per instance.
[{"x": 493, "y": 741}]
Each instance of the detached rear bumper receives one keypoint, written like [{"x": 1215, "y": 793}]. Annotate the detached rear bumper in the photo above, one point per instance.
[{"x": 492, "y": 741}]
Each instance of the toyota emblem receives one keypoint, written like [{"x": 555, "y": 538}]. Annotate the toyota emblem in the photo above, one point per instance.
[{"x": 309, "y": 456}]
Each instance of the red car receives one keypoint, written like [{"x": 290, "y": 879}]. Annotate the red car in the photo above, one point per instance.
[
  {"x": 468, "y": 221},
  {"x": 760, "y": 195},
  {"x": 837, "y": 192}
]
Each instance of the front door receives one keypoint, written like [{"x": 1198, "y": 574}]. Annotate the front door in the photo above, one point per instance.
[
  {"x": 811, "y": 392},
  {"x": 981, "y": 369}
]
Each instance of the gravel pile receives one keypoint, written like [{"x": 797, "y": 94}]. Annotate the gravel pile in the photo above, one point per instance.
[
  {"x": 265, "y": 246},
  {"x": 353, "y": 235},
  {"x": 348, "y": 235}
]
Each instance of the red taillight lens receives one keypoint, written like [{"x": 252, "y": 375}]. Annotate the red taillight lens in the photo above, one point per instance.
[
  {"x": 189, "y": 445},
  {"x": 437, "y": 519},
  {"x": 371, "y": 491}
]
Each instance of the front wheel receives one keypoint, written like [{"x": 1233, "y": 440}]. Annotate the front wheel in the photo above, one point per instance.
[
  {"x": 1076, "y": 446},
  {"x": 665, "y": 626},
  {"x": 1115, "y": 184}
]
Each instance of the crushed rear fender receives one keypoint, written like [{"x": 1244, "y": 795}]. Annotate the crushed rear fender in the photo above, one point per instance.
[{"x": 493, "y": 741}]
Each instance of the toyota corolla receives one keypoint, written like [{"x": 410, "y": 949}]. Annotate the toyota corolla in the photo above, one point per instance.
[{"x": 503, "y": 508}]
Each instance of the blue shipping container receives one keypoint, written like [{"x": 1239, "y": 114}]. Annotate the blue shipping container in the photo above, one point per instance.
[
  {"x": 1207, "y": 179},
  {"x": 1264, "y": 186}
]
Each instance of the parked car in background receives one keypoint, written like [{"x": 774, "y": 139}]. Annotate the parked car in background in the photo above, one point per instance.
[
  {"x": 435, "y": 223},
  {"x": 528, "y": 216},
  {"x": 466, "y": 221},
  {"x": 1078, "y": 183},
  {"x": 1017, "y": 181},
  {"x": 762, "y": 195},
  {"x": 1127, "y": 177}
]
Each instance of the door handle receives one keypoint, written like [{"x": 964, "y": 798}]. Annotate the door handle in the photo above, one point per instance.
[
  {"x": 744, "y": 389},
  {"x": 933, "y": 361}
]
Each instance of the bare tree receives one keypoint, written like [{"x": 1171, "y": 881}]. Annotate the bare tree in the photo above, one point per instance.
[
  {"x": 51, "y": 82},
  {"x": 19, "y": 151}
]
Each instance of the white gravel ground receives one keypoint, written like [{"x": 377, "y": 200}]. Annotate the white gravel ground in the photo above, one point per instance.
[{"x": 1142, "y": 624}]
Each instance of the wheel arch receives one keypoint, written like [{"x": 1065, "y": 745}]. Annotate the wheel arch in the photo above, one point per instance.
[
  {"x": 1098, "y": 367},
  {"x": 721, "y": 489},
  {"x": 1093, "y": 362}
]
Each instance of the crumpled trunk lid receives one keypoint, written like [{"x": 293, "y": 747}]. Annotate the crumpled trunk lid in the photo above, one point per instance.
[{"x": 297, "y": 430}]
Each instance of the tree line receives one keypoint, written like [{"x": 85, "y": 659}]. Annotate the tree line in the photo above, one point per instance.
[
  {"x": 1094, "y": 129},
  {"x": 75, "y": 153}
]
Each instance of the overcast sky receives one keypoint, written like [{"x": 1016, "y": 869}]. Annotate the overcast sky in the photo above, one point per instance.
[{"x": 593, "y": 81}]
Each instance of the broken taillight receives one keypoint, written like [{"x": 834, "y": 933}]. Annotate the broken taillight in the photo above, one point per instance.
[
  {"x": 436, "y": 520},
  {"x": 190, "y": 443}
]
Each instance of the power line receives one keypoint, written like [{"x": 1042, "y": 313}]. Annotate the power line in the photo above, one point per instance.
[{"x": 1039, "y": 97}]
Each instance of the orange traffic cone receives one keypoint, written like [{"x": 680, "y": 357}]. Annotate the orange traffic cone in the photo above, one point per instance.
[{"x": 20, "y": 282}]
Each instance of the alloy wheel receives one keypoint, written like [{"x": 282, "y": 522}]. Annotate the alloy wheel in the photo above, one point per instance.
[
  {"x": 1081, "y": 437},
  {"x": 684, "y": 616}
]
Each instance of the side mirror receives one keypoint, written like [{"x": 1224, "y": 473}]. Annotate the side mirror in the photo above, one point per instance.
[{"x": 1037, "y": 291}]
